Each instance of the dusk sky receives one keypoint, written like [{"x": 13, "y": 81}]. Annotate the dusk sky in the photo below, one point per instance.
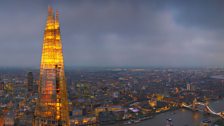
[{"x": 116, "y": 32}]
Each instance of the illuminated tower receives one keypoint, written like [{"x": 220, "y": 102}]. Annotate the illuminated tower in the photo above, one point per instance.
[{"x": 52, "y": 105}]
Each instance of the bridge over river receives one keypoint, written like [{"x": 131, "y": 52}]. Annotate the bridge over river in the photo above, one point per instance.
[
  {"x": 204, "y": 107},
  {"x": 184, "y": 117}
]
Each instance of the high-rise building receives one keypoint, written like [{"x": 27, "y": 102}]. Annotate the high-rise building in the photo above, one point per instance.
[
  {"x": 30, "y": 82},
  {"x": 188, "y": 87},
  {"x": 52, "y": 105}
]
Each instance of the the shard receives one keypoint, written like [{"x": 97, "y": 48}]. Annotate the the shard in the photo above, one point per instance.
[{"x": 52, "y": 105}]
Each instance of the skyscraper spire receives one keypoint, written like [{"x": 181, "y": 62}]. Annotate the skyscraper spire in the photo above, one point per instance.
[
  {"x": 50, "y": 18},
  {"x": 52, "y": 105},
  {"x": 50, "y": 10},
  {"x": 57, "y": 15}
]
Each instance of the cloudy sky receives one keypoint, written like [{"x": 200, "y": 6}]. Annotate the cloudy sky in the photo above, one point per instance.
[{"x": 116, "y": 32}]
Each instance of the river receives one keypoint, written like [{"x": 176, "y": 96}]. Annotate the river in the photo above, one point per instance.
[{"x": 182, "y": 117}]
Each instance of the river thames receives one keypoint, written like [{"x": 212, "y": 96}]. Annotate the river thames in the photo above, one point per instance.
[{"x": 182, "y": 117}]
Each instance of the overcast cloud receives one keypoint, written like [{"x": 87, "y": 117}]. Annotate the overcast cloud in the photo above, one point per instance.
[{"x": 116, "y": 32}]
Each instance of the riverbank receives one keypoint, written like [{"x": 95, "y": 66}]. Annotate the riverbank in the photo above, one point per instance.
[{"x": 180, "y": 117}]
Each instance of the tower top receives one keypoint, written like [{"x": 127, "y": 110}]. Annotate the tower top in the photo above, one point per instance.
[
  {"x": 56, "y": 15},
  {"x": 50, "y": 10}
]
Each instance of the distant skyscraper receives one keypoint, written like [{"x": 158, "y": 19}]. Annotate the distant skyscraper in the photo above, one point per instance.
[
  {"x": 52, "y": 105},
  {"x": 2, "y": 85},
  {"x": 30, "y": 82},
  {"x": 188, "y": 87}
]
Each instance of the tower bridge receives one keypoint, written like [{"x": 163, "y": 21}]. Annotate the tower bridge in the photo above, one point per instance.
[{"x": 206, "y": 108}]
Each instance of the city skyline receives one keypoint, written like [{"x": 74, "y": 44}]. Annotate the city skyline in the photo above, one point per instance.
[
  {"x": 111, "y": 62},
  {"x": 117, "y": 33}
]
